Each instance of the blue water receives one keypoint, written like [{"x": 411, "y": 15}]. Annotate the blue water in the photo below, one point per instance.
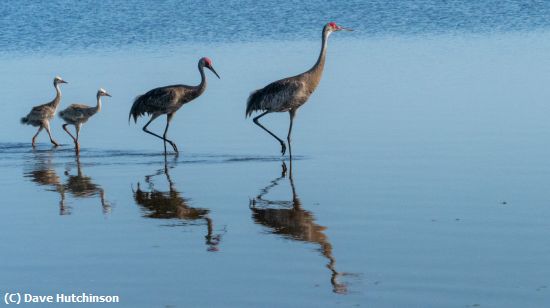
[
  {"x": 59, "y": 27},
  {"x": 419, "y": 177}
]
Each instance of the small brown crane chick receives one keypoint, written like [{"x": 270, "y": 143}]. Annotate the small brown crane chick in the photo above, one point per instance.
[
  {"x": 41, "y": 115},
  {"x": 77, "y": 114}
]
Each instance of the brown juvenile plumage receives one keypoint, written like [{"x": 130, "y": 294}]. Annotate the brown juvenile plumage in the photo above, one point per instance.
[
  {"x": 289, "y": 94},
  {"x": 77, "y": 114},
  {"x": 167, "y": 100},
  {"x": 41, "y": 115}
]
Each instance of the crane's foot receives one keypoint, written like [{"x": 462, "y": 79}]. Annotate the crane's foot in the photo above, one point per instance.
[
  {"x": 55, "y": 144},
  {"x": 283, "y": 148},
  {"x": 174, "y": 147}
]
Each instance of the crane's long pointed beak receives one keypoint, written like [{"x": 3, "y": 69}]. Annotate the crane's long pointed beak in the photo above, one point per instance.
[
  {"x": 346, "y": 29},
  {"x": 63, "y": 81},
  {"x": 108, "y": 94},
  {"x": 214, "y": 71}
]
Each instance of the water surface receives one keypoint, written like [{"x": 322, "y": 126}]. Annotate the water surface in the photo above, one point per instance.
[{"x": 419, "y": 178}]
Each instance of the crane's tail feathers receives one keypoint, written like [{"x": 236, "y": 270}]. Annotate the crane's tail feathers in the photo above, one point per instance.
[
  {"x": 133, "y": 115},
  {"x": 24, "y": 120},
  {"x": 135, "y": 111},
  {"x": 253, "y": 104}
]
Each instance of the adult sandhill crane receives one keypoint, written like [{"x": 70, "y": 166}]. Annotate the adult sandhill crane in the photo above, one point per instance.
[
  {"x": 42, "y": 114},
  {"x": 77, "y": 114},
  {"x": 167, "y": 100},
  {"x": 288, "y": 219},
  {"x": 289, "y": 94}
]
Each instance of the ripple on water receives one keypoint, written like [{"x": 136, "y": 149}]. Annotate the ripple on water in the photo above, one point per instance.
[{"x": 41, "y": 26}]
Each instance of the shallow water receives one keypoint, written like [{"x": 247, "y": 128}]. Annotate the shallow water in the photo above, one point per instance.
[{"x": 419, "y": 176}]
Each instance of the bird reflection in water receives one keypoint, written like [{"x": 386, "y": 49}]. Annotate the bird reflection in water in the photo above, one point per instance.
[
  {"x": 82, "y": 186},
  {"x": 79, "y": 186},
  {"x": 288, "y": 219},
  {"x": 172, "y": 205},
  {"x": 43, "y": 173}
]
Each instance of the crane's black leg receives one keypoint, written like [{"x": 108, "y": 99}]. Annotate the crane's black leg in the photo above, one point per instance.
[
  {"x": 36, "y": 135},
  {"x": 292, "y": 114},
  {"x": 150, "y": 132},
  {"x": 283, "y": 146},
  {"x": 168, "y": 120},
  {"x": 47, "y": 127}
]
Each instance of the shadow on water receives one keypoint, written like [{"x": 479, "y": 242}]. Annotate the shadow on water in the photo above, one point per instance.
[
  {"x": 79, "y": 186},
  {"x": 172, "y": 205},
  {"x": 287, "y": 218}
]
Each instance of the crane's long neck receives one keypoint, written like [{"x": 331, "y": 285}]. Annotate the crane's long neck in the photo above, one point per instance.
[
  {"x": 202, "y": 86},
  {"x": 98, "y": 106},
  {"x": 316, "y": 71},
  {"x": 57, "y": 98}
]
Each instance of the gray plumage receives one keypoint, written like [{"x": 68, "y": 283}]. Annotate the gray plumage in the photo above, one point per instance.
[
  {"x": 289, "y": 94},
  {"x": 41, "y": 115},
  {"x": 167, "y": 100},
  {"x": 78, "y": 114},
  {"x": 164, "y": 100},
  {"x": 280, "y": 96}
]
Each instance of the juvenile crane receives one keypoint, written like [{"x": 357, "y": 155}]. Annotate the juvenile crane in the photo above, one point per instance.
[
  {"x": 41, "y": 115},
  {"x": 167, "y": 100},
  {"x": 77, "y": 114},
  {"x": 289, "y": 94}
]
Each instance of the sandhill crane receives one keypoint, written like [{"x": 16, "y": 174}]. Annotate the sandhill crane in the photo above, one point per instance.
[
  {"x": 289, "y": 94},
  {"x": 77, "y": 114},
  {"x": 167, "y": 100},
  {"x": 172, "y": 205},
  {"x": 287, "y": 218},
  {"x": 42, "y": 114}
]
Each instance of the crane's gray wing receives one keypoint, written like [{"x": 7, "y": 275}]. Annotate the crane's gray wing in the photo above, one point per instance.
[
  {"x": 156, "y": 100},
  {"x": 281, "y": 95}
]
